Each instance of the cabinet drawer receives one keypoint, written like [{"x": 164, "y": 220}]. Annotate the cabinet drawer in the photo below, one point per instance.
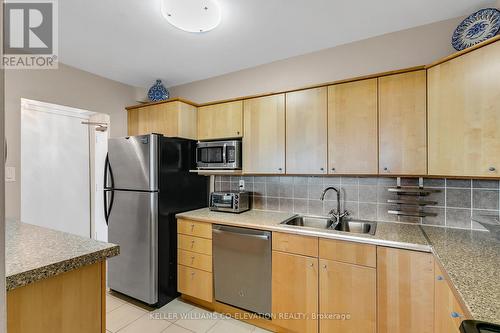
[
  {"x": 194, "y": 260},
  {"x": 350, "y": 252},
  {"x": 194, "y": 282},
  {"x": 194, "y": 228},
  {"x": 194, "y": 244},
  {"x": 296, "y": 244}
]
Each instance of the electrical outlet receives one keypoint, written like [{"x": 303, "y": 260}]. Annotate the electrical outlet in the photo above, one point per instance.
[{"x": 242, "y": 185}]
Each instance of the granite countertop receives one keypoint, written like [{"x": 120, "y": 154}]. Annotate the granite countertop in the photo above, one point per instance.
[
  {"x": 400, "y": 235},
  {"x": 34, "y": 253},
  {"x": 472, "y": 261},
  {"x": 470, "y": 258}
]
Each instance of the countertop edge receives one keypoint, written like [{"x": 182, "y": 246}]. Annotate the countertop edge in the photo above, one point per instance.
[{"x": 22, "y": 279}]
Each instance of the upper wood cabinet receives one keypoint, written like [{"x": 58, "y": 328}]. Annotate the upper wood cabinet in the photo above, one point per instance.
[
  {"x": 295, "y": 291},
  {"x": 220, "y": 121},
  {"x": 306, "y": 131},
  {"x": 352, "y": 128},
  {"x": 402, "y": 124},
  {"x": 347, "y": 289},
  {"x": 405, "y": 291},
  {"x": 464, "y": 114},
  {"x": 264, "y": 140},
  {"x": 172, "y": 119}
]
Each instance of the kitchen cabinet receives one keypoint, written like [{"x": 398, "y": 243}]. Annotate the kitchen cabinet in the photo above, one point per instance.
[
  {"x": 74, "y": 301},
  {"x": 296, "y": 244},
  {"x": 347, "y": 297},
  {"x": 194, "y": 259},
  {"x": 172, "y": 119},
  {"x": 306, "y": 131},
  {"x": 295, "y": 292},
  {"x": 448, "y": 313},
  {"x": 405, "y": 291},
  {"x": 220, "y": 121},
  {"x": 402, "y": 123},
  {"x": 264, "y": 140},
  {"x": 349, "y": 252},
  {"x": 352, "y": 128},
  {"x": 464, "y": 114}
]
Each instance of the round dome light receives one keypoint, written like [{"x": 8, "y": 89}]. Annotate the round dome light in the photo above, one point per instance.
[{"x": 192, "y": 15}]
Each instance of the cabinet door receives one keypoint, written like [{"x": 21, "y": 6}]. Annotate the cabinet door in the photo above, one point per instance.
[
  {"x": 139, "y": 121},
  {"x": 306, "y": 131},
  {"x": 174, "y": 119},
  {"x": 405, "y": 291},
  {"x": 264, "y": 140},
  {"x": 220, "y": 121},
  {"x": 464, "y": 115},
  {"x": 352, "y": 128},
  {"x": 295, "y": 292},
  {"x": 402, "y": 124},
  {"x": 448, "y": 313},
  {"x": 346, "y": 289}
]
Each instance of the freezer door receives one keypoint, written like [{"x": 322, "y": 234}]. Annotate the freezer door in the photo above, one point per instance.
[
  {"x": 133, "y": 225},
  {"x": 133, "y": 163}
]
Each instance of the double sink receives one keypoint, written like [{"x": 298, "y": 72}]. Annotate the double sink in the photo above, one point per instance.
[{"x": 325, "y": 223}]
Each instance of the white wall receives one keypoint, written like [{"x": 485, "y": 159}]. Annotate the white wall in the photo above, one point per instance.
[
  {"x": 406, "y": 48},
  {"x": 66, "y": 86}
]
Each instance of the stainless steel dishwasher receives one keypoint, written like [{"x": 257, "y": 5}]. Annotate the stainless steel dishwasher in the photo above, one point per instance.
[{"x": 242, "y": 267}]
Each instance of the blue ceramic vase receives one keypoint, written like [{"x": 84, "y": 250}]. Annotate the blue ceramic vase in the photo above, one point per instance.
[{"x": 158, "y": 92}]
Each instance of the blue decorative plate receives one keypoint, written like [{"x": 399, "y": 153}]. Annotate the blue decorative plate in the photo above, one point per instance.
[
  {"x": 158, "y": 92},
  {"x": 476, "y": 28}
]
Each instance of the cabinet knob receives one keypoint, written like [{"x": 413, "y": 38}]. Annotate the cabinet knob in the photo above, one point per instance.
[
  {"x": 324, "y": 266},
  {"x": 440, "y": 278},
  {"x": 333, "y": 169},
  {"x": 455, "y": 315},
  {"x": 311, "y": 264},
  {"x": 193, "y": 273},
  {"x": 280, "y": 169},
  {"x": 322, "y": 169},
  {"x": 238, "y": 132},
  {"x": 386, "y": 169},
  {"x": 491, "y": 169}
]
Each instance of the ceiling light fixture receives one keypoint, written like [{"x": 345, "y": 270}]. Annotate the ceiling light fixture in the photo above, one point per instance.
[{"x": 192, "y": 15}]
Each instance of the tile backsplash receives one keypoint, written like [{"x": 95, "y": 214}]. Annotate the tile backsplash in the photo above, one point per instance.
[{"x": 366, "y": 197}]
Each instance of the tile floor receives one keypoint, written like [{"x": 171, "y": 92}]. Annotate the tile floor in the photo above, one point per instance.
[{"x": 126, "y": 316}]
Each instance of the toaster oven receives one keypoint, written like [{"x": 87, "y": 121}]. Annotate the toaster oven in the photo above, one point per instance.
[{"x": 232, "y": 201}]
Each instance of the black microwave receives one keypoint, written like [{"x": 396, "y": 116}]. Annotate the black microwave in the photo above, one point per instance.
[{"x": 219, "y": 155}]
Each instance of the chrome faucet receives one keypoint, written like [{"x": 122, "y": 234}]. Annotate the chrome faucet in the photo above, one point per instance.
[{"x": 335, "y": 213}]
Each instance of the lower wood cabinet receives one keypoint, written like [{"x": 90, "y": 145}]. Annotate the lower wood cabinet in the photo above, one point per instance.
[
  {"x": 195, "y": 282},
  {"x": 295, "y": 292},
  {"x": 405, "y": 291},
  {"x": 448, "y": 313},
  {"x": 347, "y": 297}
]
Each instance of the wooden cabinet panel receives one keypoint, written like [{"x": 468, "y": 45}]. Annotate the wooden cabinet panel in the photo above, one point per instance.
[
  {"x": 194, "y": 260},
  {"x": 295, "y": 292},
  {"x": 195, "y": 283},
  {"x": 464, "y": 115},
  {"x": 69, "y": 302},
  {"x": 172, "y": 119},
  {"x": 347, "y": 289},
  {"x": 194, "y": 244},
  {"x": 220, "y": 121},
  {"x": 264, "y": 140},
  {"x": 306, "y": 131},
  {"x": 405, "y": 291},
  {"x": 297, "y": 244},
  {"x": 349, "y": 252},
  {"x": 194, "y": 228},
  {"x": 448, "y": 313},
  {"x": 352, "y": 128},
  {"x": 403, "y": 123}
]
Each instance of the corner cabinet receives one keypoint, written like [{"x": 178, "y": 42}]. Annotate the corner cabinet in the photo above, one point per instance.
[
  {"x": 405, "y": 291},
  {"x": 264, "y": 140},
  {"x": 306, "y": 131},
  {"x": 220, "y": 121},
  {"x": 352, "y": 128},
  {"x": 402, "y": 124},
  {"x": 173, "y": 119},
  {"x": 464, "y": 114}
]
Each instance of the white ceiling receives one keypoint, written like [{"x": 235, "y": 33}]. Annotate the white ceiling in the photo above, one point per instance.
[{"x": 129, "y": 40}]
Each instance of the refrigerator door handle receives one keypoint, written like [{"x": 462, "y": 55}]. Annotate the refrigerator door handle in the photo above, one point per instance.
[{"x": 107, "y": 209}]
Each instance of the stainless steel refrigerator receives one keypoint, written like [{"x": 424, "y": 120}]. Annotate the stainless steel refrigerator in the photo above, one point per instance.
[{"x": 147, "y": 182}]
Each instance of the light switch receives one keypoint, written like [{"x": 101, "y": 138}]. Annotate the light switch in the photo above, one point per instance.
[{"x": 10, "y": 174}]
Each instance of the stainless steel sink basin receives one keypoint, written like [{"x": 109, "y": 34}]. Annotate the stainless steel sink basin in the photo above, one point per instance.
[
  {"x": 348, "y": 225},
  {"x": 358, "y": 227}
]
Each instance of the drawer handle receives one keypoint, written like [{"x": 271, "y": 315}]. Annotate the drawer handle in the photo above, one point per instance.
[
  {"x": 455, "y": 315},
  {"x": 192, "y": 243},
  {"x": 192, "y": 259},
  {"x": 192, "y": 227},
  {"x": 440, "y": 278},
  {"x": 324, "y": 266},
  {"x": 192, "y": 274},
  {"x": 311, "y": 265},
  {"x": 491, "y": 169}
]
